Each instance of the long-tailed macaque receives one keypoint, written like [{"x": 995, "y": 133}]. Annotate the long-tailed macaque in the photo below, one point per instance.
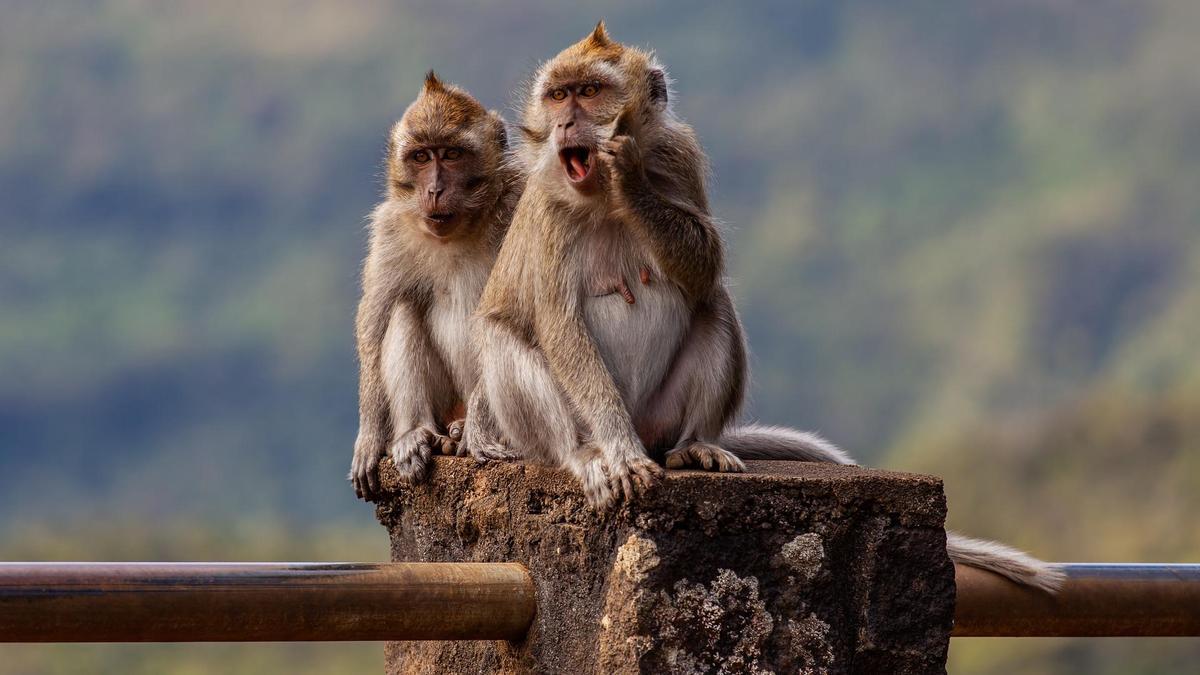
[
  {"x": 607, "y": 335},
  {"x": 606, "y": 329},
  {"x": 450, "y": 194}
]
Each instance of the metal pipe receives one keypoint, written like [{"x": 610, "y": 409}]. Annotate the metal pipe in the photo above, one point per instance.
[
  {"x": 204, "y": 602},
  {"x": 1097, "y": 600},
  {"x": 248, "y": 602}
]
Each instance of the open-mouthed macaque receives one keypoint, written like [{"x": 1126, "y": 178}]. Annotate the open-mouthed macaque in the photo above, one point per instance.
[
  {"x": 606, "y": 333},
  {"x": 451, "y": 190}
]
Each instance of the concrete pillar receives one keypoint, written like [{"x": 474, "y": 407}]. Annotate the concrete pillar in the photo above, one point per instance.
[{"x": 792, "y": 568}]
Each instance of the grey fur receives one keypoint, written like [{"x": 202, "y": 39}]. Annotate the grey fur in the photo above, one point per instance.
[{"x": 1006, "y": 561}]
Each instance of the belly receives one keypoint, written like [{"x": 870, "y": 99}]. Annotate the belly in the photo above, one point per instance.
[
  {"x": 449, "y": 328},
  {"x": 638, "y": 341}
]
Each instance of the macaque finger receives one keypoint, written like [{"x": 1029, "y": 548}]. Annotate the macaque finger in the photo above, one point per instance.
[{"x": 372, "y": 474}]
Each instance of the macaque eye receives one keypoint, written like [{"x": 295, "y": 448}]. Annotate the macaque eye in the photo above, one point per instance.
[
  {"x": 558, "y": 94},
  {"x": 589, "y": 90},
  {"x": 452, "y": 153},
  {"x": 420, "y": 156}
]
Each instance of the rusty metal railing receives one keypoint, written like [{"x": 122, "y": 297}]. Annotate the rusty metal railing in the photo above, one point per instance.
[
  {"x": 1097, "y": 600},
  {"x": 249, "y": 602},
  {"x": 202, "y": 602}
]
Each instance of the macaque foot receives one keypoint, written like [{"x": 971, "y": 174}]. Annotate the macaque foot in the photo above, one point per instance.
[
  {"x": 484, "y": 446},
  {"x": 411, "y": 454},
  {"x": 631, "y": 477},
  {"x": 451, "y": 443},
  {"x": 595, "y": 484},
  {"x": 494, "y": 452},
  {"x": 704, "y": 456}
]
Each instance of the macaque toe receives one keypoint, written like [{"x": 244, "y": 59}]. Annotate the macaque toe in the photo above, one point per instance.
[
  {"x": 455, "y": 430},
  {"x": 446, "y": 445}
]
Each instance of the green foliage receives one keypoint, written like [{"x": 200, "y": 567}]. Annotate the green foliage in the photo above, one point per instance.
[{"x": 1115, "y": 478}]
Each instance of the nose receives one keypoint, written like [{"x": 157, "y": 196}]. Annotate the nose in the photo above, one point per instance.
[
  {"x": 566, "y": 129},
  {"x": 436, "y": 186}
]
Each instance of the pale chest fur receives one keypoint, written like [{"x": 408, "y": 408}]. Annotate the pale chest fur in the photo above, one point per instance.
[
  {"x": 451, "y": 304},
  {"x": 637, "y": 341}
]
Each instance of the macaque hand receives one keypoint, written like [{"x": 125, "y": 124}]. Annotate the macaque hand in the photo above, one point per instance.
[
  {"x": 411, "y": 453},
  {"x": 369, "y": 448},
  {"x": 622, "y": 158}
]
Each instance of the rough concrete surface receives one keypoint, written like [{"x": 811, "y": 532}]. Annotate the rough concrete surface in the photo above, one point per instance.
[{"x": 792, "y": 568}]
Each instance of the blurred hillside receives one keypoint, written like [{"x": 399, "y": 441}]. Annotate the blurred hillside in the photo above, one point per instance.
[{"x": 966, "y": 241}]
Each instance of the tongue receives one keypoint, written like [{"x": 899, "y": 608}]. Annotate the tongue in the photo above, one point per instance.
[{"x": 578, "y": 167}]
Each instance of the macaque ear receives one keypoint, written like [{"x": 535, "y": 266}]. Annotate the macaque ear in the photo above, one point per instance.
[
  {"x": 499, "y": 130},
  {"x": 658, "y": 85}
]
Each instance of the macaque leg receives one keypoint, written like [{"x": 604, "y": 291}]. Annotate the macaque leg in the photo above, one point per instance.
[
  {"x": 701, "y": 393},
  {"x": 532, "y": 413},
  {"x": 418, "y": 389}
]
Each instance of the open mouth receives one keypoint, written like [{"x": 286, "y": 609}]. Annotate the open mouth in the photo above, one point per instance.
[
  {"x": 576, "y": 162},
  {"x": 440, "y": 224}
]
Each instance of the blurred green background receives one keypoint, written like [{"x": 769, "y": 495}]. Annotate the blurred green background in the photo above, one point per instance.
[{"x": 966, "y": 241}]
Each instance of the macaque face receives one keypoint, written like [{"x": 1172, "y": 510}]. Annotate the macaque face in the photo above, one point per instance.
[
  {"x": 443, "y": 179},
  {"x": 578, "y": 112}
]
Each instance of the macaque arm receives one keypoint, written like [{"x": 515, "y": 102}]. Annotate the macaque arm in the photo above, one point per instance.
[
  {"x": 370, "y": 326},
  {"x": 410, "y": 370},
  {"x": 667, "y": 206},
  {"x": 385, "y": 314},
  {"x": 575, "y": 360}
]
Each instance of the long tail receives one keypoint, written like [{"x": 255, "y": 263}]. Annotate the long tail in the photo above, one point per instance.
[
  {"x": 758, "y": 441},
  {"x": 1006, "y": 561}
]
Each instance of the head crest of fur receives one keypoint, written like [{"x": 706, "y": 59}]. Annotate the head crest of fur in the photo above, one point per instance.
[
  {"x": 432, "y": 83},
  {"x": 599, "y": 38}
]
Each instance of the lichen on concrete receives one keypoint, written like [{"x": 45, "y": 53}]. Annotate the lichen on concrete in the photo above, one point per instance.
[
  {"x": 722, "y": 627},
  {"x": 804, "y": 555}
]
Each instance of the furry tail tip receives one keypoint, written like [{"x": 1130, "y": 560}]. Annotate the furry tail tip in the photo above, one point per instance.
[
  {"x": 1006, "y": 561},
  {"x": 760, "y": 441}
]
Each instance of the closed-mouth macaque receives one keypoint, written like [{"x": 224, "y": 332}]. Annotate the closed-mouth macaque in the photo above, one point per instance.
[
  {"x": 607, "y": 335},
  {"x": 451, "y": 190}
]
